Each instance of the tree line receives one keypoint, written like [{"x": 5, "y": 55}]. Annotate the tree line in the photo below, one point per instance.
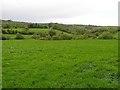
[{"x": 75, "y": 31}]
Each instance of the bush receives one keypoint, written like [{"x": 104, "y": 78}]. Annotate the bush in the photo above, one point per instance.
[
  {"x": 80, "y": 37},
  {"x": 65, "y": 37},
  {"x": 27, "y": 32},
  {"x": 19, "y": 36},
  {"x": 11, "y": 31},
  {"x": 35, "y": 36},
  {"x": 105, "y": 35},
  {"x": 91, "y": 36},
  {"x": 55, "y": 38},
  {"x": 4, "y": 31},
  {"x": 117, "y": 36},
  {"x": 40, "y": 35},
  {"x": 43, "y": 38},
  {"x": 52, "y": 33},
  {"x": 4, "y": 38},
  {"x": 48, "y": 37}
]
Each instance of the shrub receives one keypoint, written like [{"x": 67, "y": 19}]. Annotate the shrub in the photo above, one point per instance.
[
  {"x": 27, "y": 32},
  {"x": 55, "y": 38},
  {"x": 52, "y": 33},
  {"x": 85, "y": 36},
  {"x": 4, "y": 38},
  {"x": 80, "y": 37},
  {"x": 40, "y": 35},
  {"x": 35, "y": 36},
  {"x": 105, "y": 35},
  {"x": 91, "y": 36},
  {"x": 117, "y": 36},
  {"x": 65, "y": 37},
  {"x": 4, "y": 31},
  {"x": 19, "y": 36},
  {"x": 43, "y": 38},
  {"x": 11, "y": 31},
  {"x": 48, "y": 37}
]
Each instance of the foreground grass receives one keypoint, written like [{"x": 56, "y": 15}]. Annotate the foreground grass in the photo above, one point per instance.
[
  {"x": 0, "y": 64},
  {"x": 60, "y": 64}
]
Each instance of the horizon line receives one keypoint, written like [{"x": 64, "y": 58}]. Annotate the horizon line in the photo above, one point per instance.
[{"x": 54, "y": 22}]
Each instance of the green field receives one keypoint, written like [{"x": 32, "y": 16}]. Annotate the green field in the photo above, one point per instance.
[
  {"x": 12, "y": 36},
  {"x": 60, "y": 64},
  {"x": 38, "y": 30}
]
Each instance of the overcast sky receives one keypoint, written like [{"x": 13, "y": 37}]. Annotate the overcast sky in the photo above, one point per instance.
[{"x": 96, "y": 12}]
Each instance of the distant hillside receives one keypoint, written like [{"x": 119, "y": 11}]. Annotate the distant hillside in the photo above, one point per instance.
[
  {"x": 71, "y": 28},
  {"x": 60, "y": 31}
]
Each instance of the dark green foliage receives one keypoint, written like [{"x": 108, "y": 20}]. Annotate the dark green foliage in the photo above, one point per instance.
[
  {"x": 40, "y": 35},
  {"x": 52, "y": 33},
  {"x": 6, "y": 26},
  {"x": 13, "y": 24},
  {"x": 8, "y": 31},
  {"x": 4, "y": 31},
  {"x": 11, "y": 31},
  {"x": 117, "y": 36},
  {"x": 82, "y": 31},
  {"x": 26, "y": 31},
  {"x": 50, "y": 25},
  {"x": 55, "y": 38},
  {"x": 48, "y": 37},
  {"x": 90, "y": 36},
  {"x": 79, "y": 37},
  {"x": 65, "y": 37},
  {"x": 105, "y": 35},
  {"x": 19, "y": 36},
  {"x": 35, "y": 36},
  {"x": 36, "y": 25},
  {"x": 4, "y": 37}
]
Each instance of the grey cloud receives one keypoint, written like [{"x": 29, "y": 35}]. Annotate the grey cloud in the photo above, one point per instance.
[{"x": 61, "y": 10}]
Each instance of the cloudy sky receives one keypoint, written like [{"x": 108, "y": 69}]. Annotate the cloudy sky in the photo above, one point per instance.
[{"x": 96, "y": 12}]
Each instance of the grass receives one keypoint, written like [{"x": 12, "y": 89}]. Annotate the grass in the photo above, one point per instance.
[
  {"x": 39, "y": 30},
  {"x": 46, "y": 31},
  {"x": 12, "y": 36},
  {"x": 35, "y": 30},
  {"x": 0, "y": 64},
  {"x": 60, "y": 64}
]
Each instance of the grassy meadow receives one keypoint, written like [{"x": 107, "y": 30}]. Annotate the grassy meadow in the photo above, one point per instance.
[
  {"x": 53, "y": 55},
  {"x": 60, "y": 64}
]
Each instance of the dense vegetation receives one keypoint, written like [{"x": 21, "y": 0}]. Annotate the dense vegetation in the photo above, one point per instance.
[{"x": 60, "y": 31}]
